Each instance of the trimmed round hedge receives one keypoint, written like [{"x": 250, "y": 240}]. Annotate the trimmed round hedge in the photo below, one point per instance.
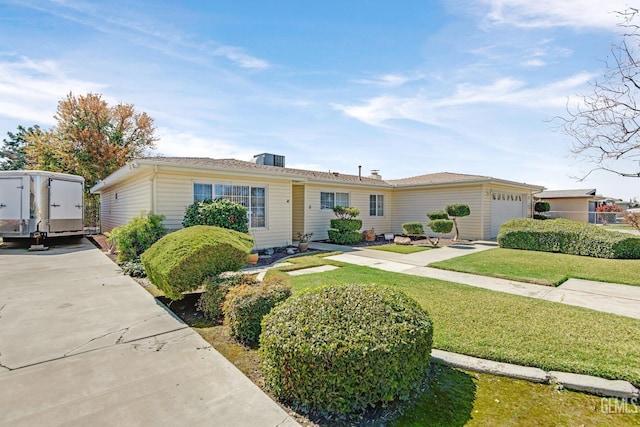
[{"x": 339, "y": 350}]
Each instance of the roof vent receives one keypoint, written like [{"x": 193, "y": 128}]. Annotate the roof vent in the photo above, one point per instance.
[
  {"x": 375, "y": 174},
  {"x": 269, "y": 159}
]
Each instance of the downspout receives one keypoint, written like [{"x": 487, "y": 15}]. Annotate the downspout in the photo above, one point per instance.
[{"x": 154, "y": 190}]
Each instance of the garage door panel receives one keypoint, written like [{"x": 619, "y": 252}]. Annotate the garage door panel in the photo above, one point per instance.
[{"x": 505, "y": 206}]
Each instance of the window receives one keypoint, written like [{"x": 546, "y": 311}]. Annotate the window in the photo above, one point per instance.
[
  {"x": 376, "y": 205},
  {"x": 331, "y": 200},
  {"x": 252, "y": 198},
  {"x": 201, "y": 192}
]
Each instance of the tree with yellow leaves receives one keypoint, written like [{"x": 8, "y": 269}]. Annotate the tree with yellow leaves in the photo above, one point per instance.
[{"x": 91, "y": 138}]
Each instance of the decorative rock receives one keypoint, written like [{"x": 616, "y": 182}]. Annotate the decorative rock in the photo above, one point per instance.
[
  {"x": 400, "y": 240},
  {"x": 291, "y": 251}
]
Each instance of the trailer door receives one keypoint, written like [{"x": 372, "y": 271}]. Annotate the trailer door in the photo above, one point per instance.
[
  {"x": 66, "y": 207},
  {"x": 10, "y": 205}
]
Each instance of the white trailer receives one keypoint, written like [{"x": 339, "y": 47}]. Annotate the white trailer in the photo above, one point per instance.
[{"x": 41, "y": 204}]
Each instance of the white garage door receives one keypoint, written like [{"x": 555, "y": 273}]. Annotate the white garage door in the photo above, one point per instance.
[{"x": 505, "y": 206}]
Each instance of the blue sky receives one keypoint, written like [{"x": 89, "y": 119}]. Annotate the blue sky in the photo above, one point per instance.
[{"x": 407, "y": 87}]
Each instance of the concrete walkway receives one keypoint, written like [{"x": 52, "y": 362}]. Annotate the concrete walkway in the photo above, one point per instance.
[
  {"x": 618, "y": 299},
  {"x": 82, "y": 344}
]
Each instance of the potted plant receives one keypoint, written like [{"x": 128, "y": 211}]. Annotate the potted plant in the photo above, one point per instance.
[
  {"x": 253, "y": 257},
  {"x": 303, "y": 241}
]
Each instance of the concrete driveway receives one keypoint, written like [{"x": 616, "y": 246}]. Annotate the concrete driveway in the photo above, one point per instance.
[{"x": 82, "y": 344}]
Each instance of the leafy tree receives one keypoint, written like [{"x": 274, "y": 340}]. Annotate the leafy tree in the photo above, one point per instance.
[
  {"x": 605, "y": 125},
  {"x": 439, "y": 224},
  {"x": 457, "y": 211},
  {"x": 91, "y": 138},
  {"x": 540, "y": 208},
  {"x": 13, "y": 152},
  {"x": 607, "y": 213}
]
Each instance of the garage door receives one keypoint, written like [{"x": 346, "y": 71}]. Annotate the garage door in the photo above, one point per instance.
[{"x": 505, "y": 206}]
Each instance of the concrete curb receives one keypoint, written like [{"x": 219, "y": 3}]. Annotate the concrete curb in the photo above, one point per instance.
[{"x": 583, "y": 383}]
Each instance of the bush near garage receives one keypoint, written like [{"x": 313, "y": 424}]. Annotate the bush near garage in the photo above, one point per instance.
[
  {"x": 180, "y": 261},
  {"x": 339, "y": 350},
  {"x": 246, "y": 305},
  {"x": 215, "y": 291},
  {"x": 219, "y": 213},
  {"x": 567, "y": 237},
  {"x": 540, "y": 208},
  {"x": 136, "y": 236}
]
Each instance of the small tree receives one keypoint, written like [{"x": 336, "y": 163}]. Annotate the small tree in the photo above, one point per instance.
[
  {"x": 540, "y": 208},
  {"x": 457, "y": 211},
  {"x": 439, "y": 224},
  {"x": 344, "y": 229},
  {"x": 633, "y": 219},
  {"x": 607, "y": 213}
]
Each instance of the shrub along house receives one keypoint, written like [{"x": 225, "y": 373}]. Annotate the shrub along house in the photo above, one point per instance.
[{"x": 283, "y": 202}]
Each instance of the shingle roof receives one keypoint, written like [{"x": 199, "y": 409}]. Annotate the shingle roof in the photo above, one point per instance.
[
  {"x": 566, "y": 194},
  {"x": 438, "y": 178},
  {"x": 241, "y": 165}
]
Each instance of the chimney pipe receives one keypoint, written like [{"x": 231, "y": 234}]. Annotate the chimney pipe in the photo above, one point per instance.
[{"x": 359, "y": 172}]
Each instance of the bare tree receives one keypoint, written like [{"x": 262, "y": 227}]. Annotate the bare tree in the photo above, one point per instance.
[{"x": 605, "y": 125}]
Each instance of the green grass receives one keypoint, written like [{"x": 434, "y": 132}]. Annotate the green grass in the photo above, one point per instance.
[
  {"x": 457, "y": 398},
  {"x": 510, "y": 328},
  {"x": 544, "y": 268},
  {"x": 400, "y": 249}
]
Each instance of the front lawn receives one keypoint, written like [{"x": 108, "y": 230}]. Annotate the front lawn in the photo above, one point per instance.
[
  {"x": 457, "y": 398},
  {"x": 509, "y": 328},
  {"x": 544, "y": 268}
]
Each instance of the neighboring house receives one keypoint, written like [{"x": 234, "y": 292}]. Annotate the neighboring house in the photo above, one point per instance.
[
  {"x": 283, "y": 202},
  {"x": 577, "y": 205}
]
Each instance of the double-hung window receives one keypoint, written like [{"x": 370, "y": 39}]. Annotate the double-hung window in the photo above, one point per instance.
[
  {"x": 376, "y": 205},
  {"x": 252, "y": 198},
  {"x": 329, "y": 200}
]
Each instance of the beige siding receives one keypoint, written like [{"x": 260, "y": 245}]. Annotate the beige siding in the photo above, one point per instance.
[
  {"x": 413, "y": 204},
  {"x": 297, "y": 205},
  {"x": 119, "y": 205},
  {"x": 318, "y": 221},
  {"x": 574, "y": 209},
  {"x": 174, "y": 192}
]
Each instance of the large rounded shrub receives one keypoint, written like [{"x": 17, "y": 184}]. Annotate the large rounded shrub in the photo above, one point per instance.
[
  {"x": 339, "y": 350},
  {"x": 181, "y": 260}
]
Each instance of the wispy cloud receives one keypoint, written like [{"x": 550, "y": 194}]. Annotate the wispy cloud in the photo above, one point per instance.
[
  {"x": 186, "y": 144},
  {"x": 143, "y": 30},
  {"x": 240, "y": 57},
  {"x": 30, "y": 90},
  {"x": 391, "y": 80},
  {"x": 554, "y": 13},
  {"x": 506, "y": 91}
]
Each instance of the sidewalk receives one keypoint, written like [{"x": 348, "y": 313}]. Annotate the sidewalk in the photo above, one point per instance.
[
  {"x": 613, "y": 298},
  {"x": 83, "y": 344}
]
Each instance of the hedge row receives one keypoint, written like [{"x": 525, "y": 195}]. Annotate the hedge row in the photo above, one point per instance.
[{"x": 568, "y": 237}]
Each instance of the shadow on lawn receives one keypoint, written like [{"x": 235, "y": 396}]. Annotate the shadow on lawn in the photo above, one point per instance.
[{"x": 448, "y": 401}]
